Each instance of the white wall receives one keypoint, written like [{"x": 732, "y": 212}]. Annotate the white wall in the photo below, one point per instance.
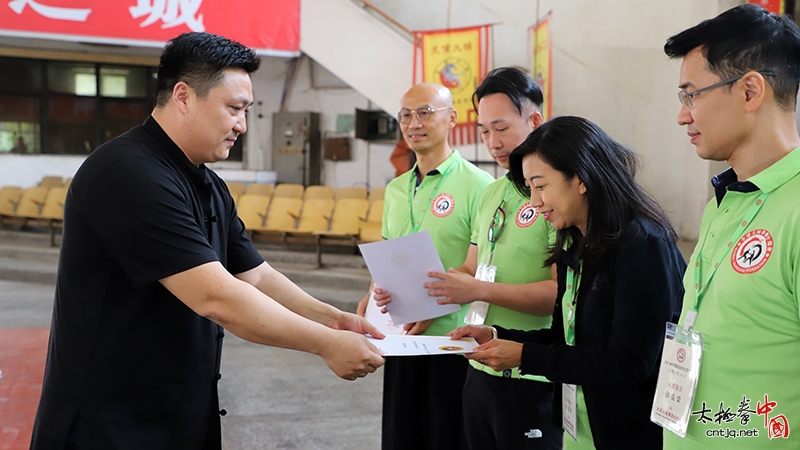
[
  {"x": 370, "y": 161},
  {"x": 27, "y": 170},
  {"x": 608, "y": 66}
]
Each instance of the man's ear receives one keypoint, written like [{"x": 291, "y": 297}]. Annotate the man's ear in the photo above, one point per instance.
[
  {"x": 180, "y": 96},
  {"x": 535, "y": 119},
  {"x": 755, "y": 90},
  {"x": 453, "y": 118}
]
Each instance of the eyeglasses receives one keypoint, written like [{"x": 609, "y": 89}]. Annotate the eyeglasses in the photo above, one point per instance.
[
  {"x": 423, "y": 114},
  {"x": 686, "y": 97}
]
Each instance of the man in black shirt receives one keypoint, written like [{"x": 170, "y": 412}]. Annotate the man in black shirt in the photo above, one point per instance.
[{"x": 155, "y": 263}]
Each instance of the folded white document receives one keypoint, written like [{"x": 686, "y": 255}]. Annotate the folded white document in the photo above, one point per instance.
[{"x": 423, "y": 345}]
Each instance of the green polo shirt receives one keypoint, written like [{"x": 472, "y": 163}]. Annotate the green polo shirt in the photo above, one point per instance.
[
  {"x": 447, "y": 213},
  {"x": 749, "y": 317},
  {"x": 519, "y": 255}
]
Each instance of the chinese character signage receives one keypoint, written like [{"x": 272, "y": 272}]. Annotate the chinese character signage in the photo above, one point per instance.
[
  {"x": 542, "y": 52},
  {"x": 457, "y": 59},
  {"x": 269, "y": 26},
  {"x": 737, "y": 421},
  {"x": 773, "y": 6}
]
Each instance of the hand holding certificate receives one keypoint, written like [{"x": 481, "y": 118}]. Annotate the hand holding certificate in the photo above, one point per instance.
[
  {"x": 401, "y": 266},
  {"x": 423, "y": 345}
]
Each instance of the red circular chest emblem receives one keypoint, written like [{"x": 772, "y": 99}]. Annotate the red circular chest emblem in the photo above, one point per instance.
[
  {"x": 526, "y": 215},
  {"x": 443, "y": 204},
  {"x": 752, "y": 251}
]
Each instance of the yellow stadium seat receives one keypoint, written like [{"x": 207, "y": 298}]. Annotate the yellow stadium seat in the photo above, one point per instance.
[
  {"x": 345, "y": 224},
  {"x": 371, "y": 228},
  {"x": 51, "y": 181},
  {"x": 236, "y": 188},
  {"x": 252, "y": 209},
  {"x": 283, "y": 214},
  {"x": 288, "y": 190},
  {"x": 316, "y": 216},
  {"x": 9, "y": 199},
  {"x": 318, "y": 192},
  {"x": 264, "y": 189},
  {"x": 31, "y": 203},
  {"x": 52, "y": 212},
  {"x": 376, "y": 193},
  {"x": 359, "y": 192}
]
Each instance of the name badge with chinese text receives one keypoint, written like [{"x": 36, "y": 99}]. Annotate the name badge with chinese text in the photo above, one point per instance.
[
  {"x": 569, "y": 410},
  {"x": 476, "y": 314},
  {"x": 677, "y": 378}
]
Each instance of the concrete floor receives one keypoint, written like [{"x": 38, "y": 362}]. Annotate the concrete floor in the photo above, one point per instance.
[{"x": 275, "y": 398}]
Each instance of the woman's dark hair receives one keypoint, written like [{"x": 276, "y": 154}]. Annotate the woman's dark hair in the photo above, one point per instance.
[
  {"x": 199, "y": 59},
  {"x": 575, "y": 146}
]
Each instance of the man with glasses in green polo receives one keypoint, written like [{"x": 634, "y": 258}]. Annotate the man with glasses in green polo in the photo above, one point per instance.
[
  {"x": 422, "y": 394},
  {"x": 739, "y": 78},
  {"x": 504, "y": 280}
]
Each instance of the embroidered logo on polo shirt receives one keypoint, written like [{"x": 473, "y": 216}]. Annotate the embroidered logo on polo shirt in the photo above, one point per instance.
[
  {"x": 443, "y": 205},
  {"x": 752, "y": 251},
  {"x": 526, "y": 215}
]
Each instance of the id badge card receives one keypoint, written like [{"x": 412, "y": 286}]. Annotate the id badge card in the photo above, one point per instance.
[
  {"x": 476, "y": 314},
  {"x": 569, "y": 410},
  {"x": 677, "y": 379}
]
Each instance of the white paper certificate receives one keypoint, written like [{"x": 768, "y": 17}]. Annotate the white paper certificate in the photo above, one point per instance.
[
  {"x": 383, "y": 322},
  {"x": 423, "y": 345},
  {"x": 400, "y": 266}
]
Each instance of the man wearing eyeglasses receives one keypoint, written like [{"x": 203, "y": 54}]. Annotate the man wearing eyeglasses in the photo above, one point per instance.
[
  {"x": 738, "y": 89},
  {"x": 422, "y": 394},
  {"x": 504, "y": 280}
]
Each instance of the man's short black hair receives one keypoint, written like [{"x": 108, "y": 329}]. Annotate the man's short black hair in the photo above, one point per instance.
[
  {"x": 199, "y": 59},
  {"x": 747, "y": 38},
  {"x": 512, "y": 82}
]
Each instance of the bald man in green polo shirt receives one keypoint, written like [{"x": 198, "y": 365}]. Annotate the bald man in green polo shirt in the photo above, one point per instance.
[{"x": 422, "y": 394}]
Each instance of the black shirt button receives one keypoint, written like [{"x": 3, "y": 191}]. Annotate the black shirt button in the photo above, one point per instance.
[
  {"x": 217, "y": 377},
  {"x": 222, "y": 412},
  {"x": 213, "y": 218},
  {"x": 507, "y": 373}
]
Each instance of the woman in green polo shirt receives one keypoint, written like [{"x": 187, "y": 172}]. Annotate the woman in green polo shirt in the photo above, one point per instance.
[{"x": 619, "y": 282}]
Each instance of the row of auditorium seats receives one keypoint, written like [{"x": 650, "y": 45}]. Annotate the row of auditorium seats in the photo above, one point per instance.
[
  {"x": 291, "y": 190},
  {"x": 38, "y": 205},
  {"x": 318, "y": 214},
  {"x": 343, "y": 216}
]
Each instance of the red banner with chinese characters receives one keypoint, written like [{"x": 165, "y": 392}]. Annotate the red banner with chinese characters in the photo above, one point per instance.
[
  {"x": 773, "y": 6},
  {"x": 459, "y": 60},
  {"x": 269, "y": 26}
]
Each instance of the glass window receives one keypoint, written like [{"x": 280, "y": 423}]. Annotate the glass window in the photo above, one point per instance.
[
  {"x": 72, "y": 78},
  {"x": 120, "y": 116},
  {"x": 19, "y": 124},
  {"x": 62, "y": 107},
  {"x": 71, "y": 125},
  {"x": 124, "y": 82},
  {"x": 21, "y": 76}
]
